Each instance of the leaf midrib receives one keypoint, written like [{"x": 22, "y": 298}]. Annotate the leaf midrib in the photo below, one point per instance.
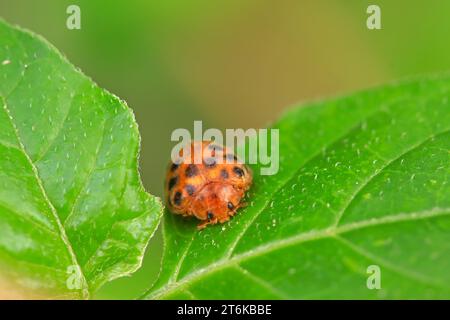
[
  {"x": 85, "y": 289},
  {"x": 313, "y": 235}
]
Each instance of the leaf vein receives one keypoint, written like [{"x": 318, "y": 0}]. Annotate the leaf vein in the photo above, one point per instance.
[
  {"x": 383, "y": 262},
  {"x": 376, "y": 173}
]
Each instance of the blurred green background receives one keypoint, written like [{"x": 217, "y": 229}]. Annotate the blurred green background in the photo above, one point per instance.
[{"x": 232, "y": 63}]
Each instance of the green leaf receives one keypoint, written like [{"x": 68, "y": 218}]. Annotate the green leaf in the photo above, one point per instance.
[
  {"x": 73, "y": 212},
  {"x": 363, "y": 180}
]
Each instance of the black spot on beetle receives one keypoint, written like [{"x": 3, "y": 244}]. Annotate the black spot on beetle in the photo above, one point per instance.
[
  {"x": 230, "y": 158},
  {"x": 224, "y": 173},
  {"x": 174, "y": 166},
  {"x": 191, "y": 171},
  {"x": 177, "y": 198},
  {"x": 172, "y": 182},
  {"x": 210, "y": 215},
  {"x": 210, "y": 162},
  {"x": 190, "y": 189},
  {"x": 230, "y": 205},
  {"x": 238, "y": 171},
  {"x": 215, "y": 147}
]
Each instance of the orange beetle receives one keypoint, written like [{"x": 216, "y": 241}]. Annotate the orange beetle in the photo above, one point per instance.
[{"x": 211, "y": 191}]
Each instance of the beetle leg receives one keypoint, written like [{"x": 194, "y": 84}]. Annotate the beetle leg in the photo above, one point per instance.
[
  {"x": 233, "y": 212},
  {"x": 224, "y": 219},
  {"x": 204, "y": 223},
  {"x": 242, "y": 205}
]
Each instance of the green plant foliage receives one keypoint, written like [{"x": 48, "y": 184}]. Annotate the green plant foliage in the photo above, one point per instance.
[
  {"x": 70, "y": 193},
  {"x": 363, "y": 180}
]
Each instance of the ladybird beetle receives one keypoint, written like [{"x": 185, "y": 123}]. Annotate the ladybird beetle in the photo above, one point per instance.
[{"x": 211, "y": 191}]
